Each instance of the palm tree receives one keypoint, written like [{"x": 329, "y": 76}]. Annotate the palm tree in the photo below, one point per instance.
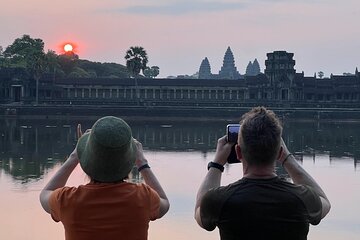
[
  {"x": 136, "y": 60},
  {"x": 38, "y": 69}
]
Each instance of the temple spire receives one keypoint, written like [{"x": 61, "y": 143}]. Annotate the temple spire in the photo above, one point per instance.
[
  {"x": 205, "y": 69},
  {"x": 249, "y": 68},
  {"x": 253, "y": 68},
  {"x": 256, "y": 67},
  {"x": 228, "y": 70}
]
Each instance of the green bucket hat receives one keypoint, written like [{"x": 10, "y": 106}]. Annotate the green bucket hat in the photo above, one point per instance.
[{"x": 107, "y": 153}]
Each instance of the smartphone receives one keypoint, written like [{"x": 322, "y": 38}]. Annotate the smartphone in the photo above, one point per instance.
[{"x": 232, "y": 132}]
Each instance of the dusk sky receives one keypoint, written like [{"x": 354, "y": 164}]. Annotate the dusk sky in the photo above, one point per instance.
[{"x": 324, "y": 35}]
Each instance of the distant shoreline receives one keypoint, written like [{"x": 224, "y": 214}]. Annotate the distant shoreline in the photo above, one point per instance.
[{"x": 171, "y": 113}]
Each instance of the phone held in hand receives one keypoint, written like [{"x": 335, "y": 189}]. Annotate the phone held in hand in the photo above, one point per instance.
[{"x": 232, "y": 132}]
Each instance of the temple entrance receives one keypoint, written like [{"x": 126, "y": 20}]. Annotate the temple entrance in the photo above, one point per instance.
[
  {"x": 284, "y": 94},
  {"x": 16, "y": 93}
]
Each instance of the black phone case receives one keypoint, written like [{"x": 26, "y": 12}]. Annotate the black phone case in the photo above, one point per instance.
[{"x": 232, "y": 158}]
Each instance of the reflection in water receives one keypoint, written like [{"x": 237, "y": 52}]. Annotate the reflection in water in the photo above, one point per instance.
[
  {"x": 29, "y": 147},
  {"x": 31, "y": 151}
]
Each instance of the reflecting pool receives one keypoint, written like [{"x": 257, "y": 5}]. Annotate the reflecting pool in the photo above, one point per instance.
[{"x": 32, "y": 150}]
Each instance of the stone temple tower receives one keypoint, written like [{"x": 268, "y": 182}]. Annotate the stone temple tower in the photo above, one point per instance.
[
  {"x": 253, "y": 69},
  {"x": 205, "y": 69},
  {"x": 228, "y": 70},
  {"x": 281, "y": 73},
  {"x": 280, "y": 65}
]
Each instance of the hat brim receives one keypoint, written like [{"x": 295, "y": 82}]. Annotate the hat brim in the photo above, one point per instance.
[{"x": 80, "y": 148}]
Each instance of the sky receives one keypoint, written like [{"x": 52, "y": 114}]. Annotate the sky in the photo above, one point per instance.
[{"x": 324, "y": 35}]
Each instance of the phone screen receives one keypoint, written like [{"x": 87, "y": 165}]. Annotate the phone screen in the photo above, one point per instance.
[{"x": 232, "y": 132}]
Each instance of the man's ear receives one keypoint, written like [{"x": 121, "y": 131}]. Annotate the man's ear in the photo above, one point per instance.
[{"x": 238, "y": 152}]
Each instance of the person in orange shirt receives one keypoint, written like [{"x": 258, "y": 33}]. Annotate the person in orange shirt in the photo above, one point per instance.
[{"x": 109, "y": 207}]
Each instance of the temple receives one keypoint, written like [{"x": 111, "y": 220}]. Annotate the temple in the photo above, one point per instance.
[
  {"x": 228, "y": 69},
  {"x": 279, "y": 86}
]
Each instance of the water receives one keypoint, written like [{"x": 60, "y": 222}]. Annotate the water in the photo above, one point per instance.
[{"x": 32, "y": 150}]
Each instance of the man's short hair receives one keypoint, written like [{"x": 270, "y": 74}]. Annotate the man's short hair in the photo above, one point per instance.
[{"x": 260, "y": 136}]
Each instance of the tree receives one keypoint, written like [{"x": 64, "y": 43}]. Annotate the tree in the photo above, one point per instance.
[
  {"x": 155, "y": 71},
  {"x": 23, "y": 51},
  {"x": 321, "y": 74},
  {"x": 136, "y": 60},
  {"x": 78, "y": 72},
  {"x": 52, "y": 64},
  {"x": 2, "y": 57},
  {"x": 3, "y": 60},
  {"x": 67, "y": 62},
  {"x": 147, "y": 72},
  {"x": 151, "y": 72},
  {"x": 28, "y": 53}
]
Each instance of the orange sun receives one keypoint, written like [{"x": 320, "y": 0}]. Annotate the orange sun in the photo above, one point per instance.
[{"x": 68, "y": 47}]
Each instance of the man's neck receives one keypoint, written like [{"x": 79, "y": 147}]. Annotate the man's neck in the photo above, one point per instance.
[{"x": 257, "y": 172}]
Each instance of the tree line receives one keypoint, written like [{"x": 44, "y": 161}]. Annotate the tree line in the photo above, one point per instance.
[{"x": 27, "y": 55}]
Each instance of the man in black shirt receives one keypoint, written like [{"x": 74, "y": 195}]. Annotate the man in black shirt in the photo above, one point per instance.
[{"x": 260, "y": 205}]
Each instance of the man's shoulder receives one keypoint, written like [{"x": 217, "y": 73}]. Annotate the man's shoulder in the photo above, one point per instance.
[{"x": 223, "y": 192}]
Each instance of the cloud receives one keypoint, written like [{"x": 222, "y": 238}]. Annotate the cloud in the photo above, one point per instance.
[{"x": 183, "y": 7}]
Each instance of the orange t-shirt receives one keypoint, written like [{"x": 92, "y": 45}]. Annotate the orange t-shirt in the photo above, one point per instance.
[{"x": 105, "y": 211}]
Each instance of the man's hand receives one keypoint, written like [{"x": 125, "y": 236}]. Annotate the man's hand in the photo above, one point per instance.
[
  {"x": 213, "y": 177},
  {"x": 299, "y": 176},
  {"x": 284, "y": 152},
  {"x": 223, "y": 150}
]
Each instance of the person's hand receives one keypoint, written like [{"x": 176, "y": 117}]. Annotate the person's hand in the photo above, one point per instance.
[
  {"x": 223, "y": 150},
  {"x": 79, "y": 132},
  {"x": 284, "y": 153},
  {"x": 140, "y": 157},
  {"x": 74, "y": 156}
]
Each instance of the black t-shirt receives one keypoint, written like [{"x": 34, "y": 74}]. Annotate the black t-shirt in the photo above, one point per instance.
[{"x": 261, "y": 209}]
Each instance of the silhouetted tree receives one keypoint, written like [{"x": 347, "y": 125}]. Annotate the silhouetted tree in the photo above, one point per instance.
[
  {"x": 2, "y": 57},
  {"x": 68, "y": 62},
  {"x": 147, "y": 72},
  {"x": 136, "y": 60},
  {"x": 151, "y": 72},
  {"x": 321, "y": 74},
  {"x": 52, "y": 64},
  {"x": 155, "y": 71},
  {"x": 78, "y": 72},
  {"x": 29, "y": 53}
]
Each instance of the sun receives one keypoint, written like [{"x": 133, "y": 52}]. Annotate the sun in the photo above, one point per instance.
[{"x": 68, "y": 47}]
